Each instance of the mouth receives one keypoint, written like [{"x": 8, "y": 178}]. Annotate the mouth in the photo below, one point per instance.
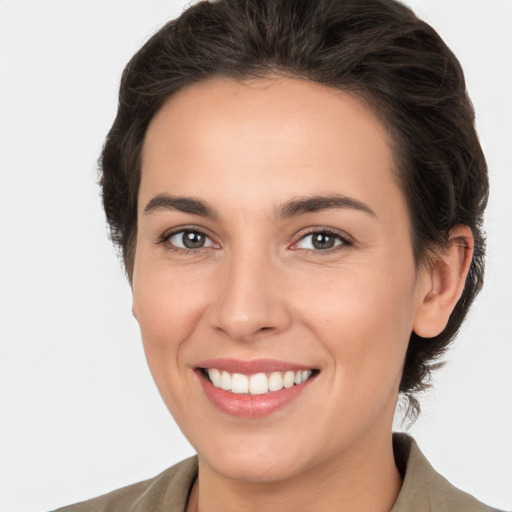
[
  {"x": 253, "y": 389},
  {"x": 258, "y": 383}
]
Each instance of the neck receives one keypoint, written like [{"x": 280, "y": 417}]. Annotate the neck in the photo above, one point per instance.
[{"x": 366, "y": 479}]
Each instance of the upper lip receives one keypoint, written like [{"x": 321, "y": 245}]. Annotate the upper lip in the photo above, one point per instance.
[{"x": 232, "y": 365}]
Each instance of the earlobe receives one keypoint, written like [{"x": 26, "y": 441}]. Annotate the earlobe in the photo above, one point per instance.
[{"x": 442, "y": 283}]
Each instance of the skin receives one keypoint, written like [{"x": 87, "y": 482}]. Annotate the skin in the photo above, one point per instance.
[{"x": 259, "y": 289}]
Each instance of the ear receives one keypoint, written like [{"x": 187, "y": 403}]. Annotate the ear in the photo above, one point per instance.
[{"x": 442, "y": 282}]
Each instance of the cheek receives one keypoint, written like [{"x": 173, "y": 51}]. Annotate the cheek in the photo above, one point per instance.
[
  {"x": 363, "y": 319},
  {"x": 167, "y": 306},
  {"x": 168, "y": 310}
]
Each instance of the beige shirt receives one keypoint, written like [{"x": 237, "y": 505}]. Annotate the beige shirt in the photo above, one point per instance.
[{"x": 423, "y": 489}]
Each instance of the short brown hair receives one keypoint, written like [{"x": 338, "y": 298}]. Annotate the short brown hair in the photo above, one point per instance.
[{"x": 377, "y": 48}]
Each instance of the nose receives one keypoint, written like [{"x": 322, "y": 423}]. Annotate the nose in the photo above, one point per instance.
[{"x": 251, "y": 299}]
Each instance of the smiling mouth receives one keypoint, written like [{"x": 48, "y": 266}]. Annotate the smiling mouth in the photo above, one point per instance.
[{"x": 258, "y": 383}]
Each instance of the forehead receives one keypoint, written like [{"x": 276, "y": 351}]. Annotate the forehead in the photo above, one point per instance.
[{"x": 277, "y": 137}]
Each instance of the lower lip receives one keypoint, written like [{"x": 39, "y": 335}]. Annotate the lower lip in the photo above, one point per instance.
[{"x": 253, "y": 406}]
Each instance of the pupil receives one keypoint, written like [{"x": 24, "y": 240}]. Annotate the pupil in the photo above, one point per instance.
[
  {"x": 193, "y": 240},
  {"x": 323, "y": 241}
]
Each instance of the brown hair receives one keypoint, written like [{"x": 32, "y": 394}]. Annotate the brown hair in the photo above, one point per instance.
[{"x": 377, "y": 48}]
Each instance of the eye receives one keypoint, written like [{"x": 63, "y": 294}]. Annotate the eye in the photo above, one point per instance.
[
  {"x": 189, "y": 240},
  {"x": 321, "y": 241}
]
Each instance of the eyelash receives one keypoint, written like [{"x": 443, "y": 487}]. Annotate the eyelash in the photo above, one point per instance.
[
  {"x": 344, "y": 239},
  {"x": 346, "y": 242},
  {"x": 165, "y": 240}
]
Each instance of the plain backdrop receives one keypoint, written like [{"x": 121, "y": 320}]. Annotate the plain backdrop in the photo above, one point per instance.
[{"x": 79, "y": 413}]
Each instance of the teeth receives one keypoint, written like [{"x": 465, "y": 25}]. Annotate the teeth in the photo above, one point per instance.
[
  {"x": 289, "y": 379},
  {"x": 239, "y": 383},
  {"x": 225, "y": 381},
  {"x": 256, "y": 384},
  {"x": 275, "y": 381},
  {"x": 214, "y": 375}
]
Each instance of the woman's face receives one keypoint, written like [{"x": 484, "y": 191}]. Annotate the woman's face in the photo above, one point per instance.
[{"x": 274, "y": 244}]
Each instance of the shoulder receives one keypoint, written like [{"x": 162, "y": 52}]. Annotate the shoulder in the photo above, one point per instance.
[
  {"x": 167, "y": 491},
  {"x": 425, "y": 490}
]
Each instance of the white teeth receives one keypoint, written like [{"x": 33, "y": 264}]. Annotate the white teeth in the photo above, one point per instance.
[
  {"x": 239, "y": 383},
  {"x": 214, "y": 375},
  {"x": 275, "y": 381},
  {"x": 225, "y": 381},
  {"x": 289, "y": 379},
  {"x": 257, "y": 384}
]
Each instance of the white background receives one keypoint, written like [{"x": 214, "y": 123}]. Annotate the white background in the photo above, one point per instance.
[{"x": 79, "y": 414}]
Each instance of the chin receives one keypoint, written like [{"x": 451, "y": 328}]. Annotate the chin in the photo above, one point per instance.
[
  {"x": 253, "y": 469},
  {"x": 257, "y": 458}
]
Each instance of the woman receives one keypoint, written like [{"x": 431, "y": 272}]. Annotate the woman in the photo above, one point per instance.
[{"x": 297, "y": 189}]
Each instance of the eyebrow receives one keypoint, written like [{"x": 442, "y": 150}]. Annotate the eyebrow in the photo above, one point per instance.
[
  {"x": 181, "y": 204},
  {"x": 313, "y": 204},
  {"x": 289, "y": 209}
]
